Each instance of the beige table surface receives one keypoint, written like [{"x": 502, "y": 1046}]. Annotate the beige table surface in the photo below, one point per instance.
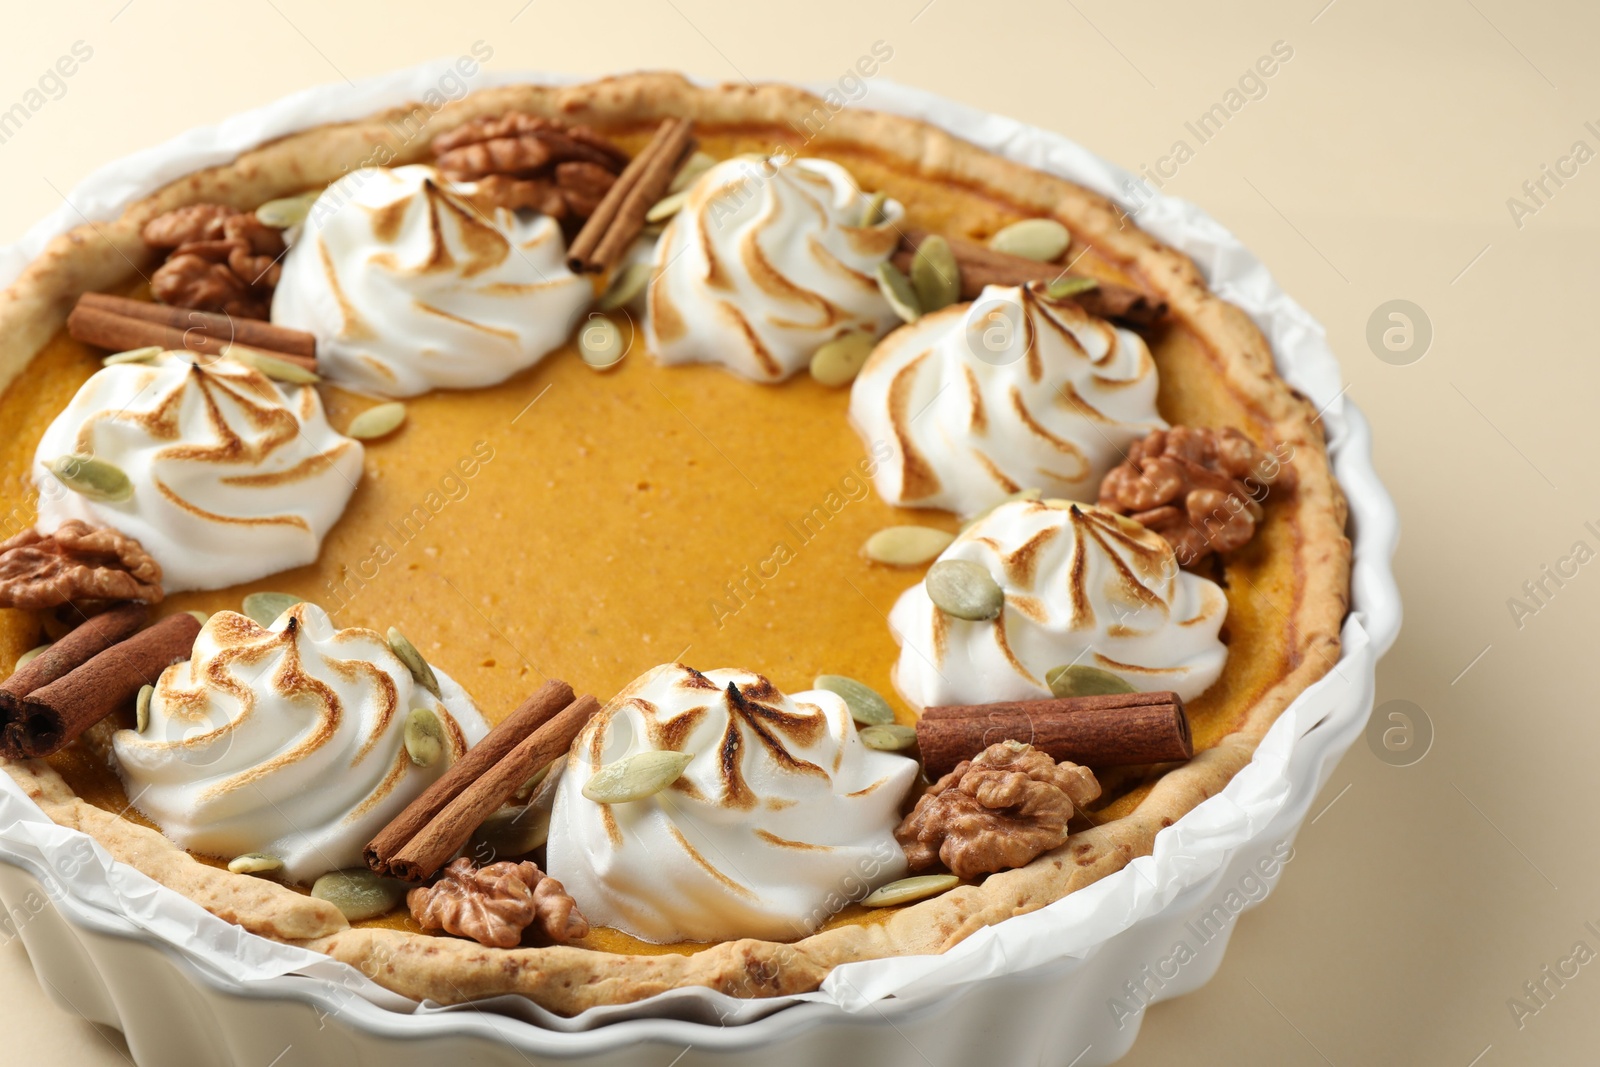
[{"x": 1376, "y": 165}]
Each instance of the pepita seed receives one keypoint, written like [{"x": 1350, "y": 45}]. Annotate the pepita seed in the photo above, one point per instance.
[
  {"x": 379, "y": 421},
  {"x": 133, "y": 355},
  {"x": 690, "y": 172},
  {"x": 92, "y": 478},
  {"x": 141, "y": 708},
  {"x": 837, "y": 362},
  {"x": 866, "y": 706},
  {"x": 600, "y": 343},
  {"x": 29, "y": 656},
  {"x": 1082, "y": 680},
  {"x": 935, "y": 274},
  {"x": 889, "y": 737},
  {"x": 1070, "y": 286},
  {"x": 1042, "y": 240},
  {"x": 964, "y": 589},
  {"x": 907, "y": 546},
  {"x": 625, "y": 286},
  {"x": 199, "y": 616},
  {"x": 635, "y": 777},
  {"x": 424, "y": 736},
  {"x": 360, "y": 894},
  {"x": 542, "y": 783},
  {"x": 286, "y": 211},
  {"x": 667, "y": 206},
  {"x": 255, "y": 863},
  {"x": 872, "y": 212},
  {"x": 421, "y": 673},
  {"x": 906, "y": 890},
  {"x": 896, "y": 289},
  {"x": 514, "y": 830},
  {"x": 1023, "y": 494},
  {"x": 279, "y": 370},
  {"x": 265, "y": 608}
]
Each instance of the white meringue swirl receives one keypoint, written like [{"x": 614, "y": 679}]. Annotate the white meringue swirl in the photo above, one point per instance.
[
  {"x": 782, "y": 817},
  {"x": 235, "y": 476},
  {"x": 287, "y": 741},
  {"x": 1082, "y": 585},
  {"x": 764, "y": 263},
  {"x": 409, "y": 286},
  {"x": 1011, "y": 391}
]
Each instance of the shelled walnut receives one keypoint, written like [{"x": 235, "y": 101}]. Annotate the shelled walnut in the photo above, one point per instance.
[
  {"x": 995, "y": 811},
  {"x": 218, "y": 259},
  {"x": 494, "y": 904},
  {"x": 1198, "y": 488},
  {"x": 77, "y": 562}
]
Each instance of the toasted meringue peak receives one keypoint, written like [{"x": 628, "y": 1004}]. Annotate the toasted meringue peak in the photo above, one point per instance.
[
  {"x": 764, "y": 263},
  {"x": 234, "y": 476},
  {"x": 1011, "y": 391},
  {"x": 781, "y": 818},
  {"x": 409, "y": 285},
  {"x": 287, "y": 741},
  {"x": 1082, "y": 585}
]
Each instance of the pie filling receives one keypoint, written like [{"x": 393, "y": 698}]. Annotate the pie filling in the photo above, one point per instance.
[{"x": 965, "y": 567}]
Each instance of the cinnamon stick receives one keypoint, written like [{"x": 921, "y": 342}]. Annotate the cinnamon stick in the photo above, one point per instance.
[
  {"x": 444, "y": 835},
  {"x": 117, "y": 332},
  {"x": 87, "y": 640},
  {"x": 1096, "y": 731},
  {"x": 619, "y": 219},
  {"x": 534, "y": 713},
  {"x": 982, "y": 266},
  {"x": 251, "y": 332},
  {"x": 56, "y": 714}
]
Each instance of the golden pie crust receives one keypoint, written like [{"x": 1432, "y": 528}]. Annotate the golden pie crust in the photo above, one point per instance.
[{"x": 1287, "y": 590}]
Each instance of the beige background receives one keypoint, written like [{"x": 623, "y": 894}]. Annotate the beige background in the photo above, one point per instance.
[{"x": 1377, "y": 166}]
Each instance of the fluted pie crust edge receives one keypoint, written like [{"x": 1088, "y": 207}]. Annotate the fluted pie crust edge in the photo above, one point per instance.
[{"x": 567, "y": 979}]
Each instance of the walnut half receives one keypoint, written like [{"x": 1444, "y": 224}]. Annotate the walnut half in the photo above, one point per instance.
[
  {"x": 995, "y": 811},
  {"x": 494, "y": 904},
  {"x": 77, "y": 562}
]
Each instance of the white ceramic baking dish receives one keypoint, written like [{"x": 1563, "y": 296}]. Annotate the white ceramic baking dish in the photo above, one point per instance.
[{"x": 1067, "y": 985}]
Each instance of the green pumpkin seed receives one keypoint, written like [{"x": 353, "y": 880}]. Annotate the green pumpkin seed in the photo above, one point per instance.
[
  {"x": 866, "y": 706},
  {"x": 141, "y": 708},
  {"x": 626, "y": 285},
  {"x": 424, "y": 735},
  {"x": 514, "y": 830},
  {"x": 28, "y": 657},
  {"x": 541, "y": 784},
  {"x": 379, "y": 421},
  {"x": 1024, "y": 494},
  {"x": 935, "y": 274},
  {"x": 906, "y": 890},
  {"x": 635, "y": 777},
  {"x": 133, "y": 355},
  {"x": 92, "y": 478},
  {"x": 600, "y": 343},
  {"x": 1070, "y": 286},
  {"x": 896, "y": 289},
  {"x": 255, "y": 863},
  {"x": 964, "y": 589},
  {"x": 360, "y": 894},
  {"x": 667, "y": 206},
  {"x": 838, "y": 361},
  {"x": 690, "y": 172},
  {"x": 1081, "y": 680},
  {"x": 265, "y": 608},
  {"x": 286, "y": 211},
  {"x": 889, "y": 737},
  {"x": 907, "y": 546},
  {"x": 872, "y": 212},
  {"x": 1042, "y": 240},
  {"x": 199, "y": 616},
  {"x": 279, "y": 370},
  {"x": 421, "y": 673}
]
